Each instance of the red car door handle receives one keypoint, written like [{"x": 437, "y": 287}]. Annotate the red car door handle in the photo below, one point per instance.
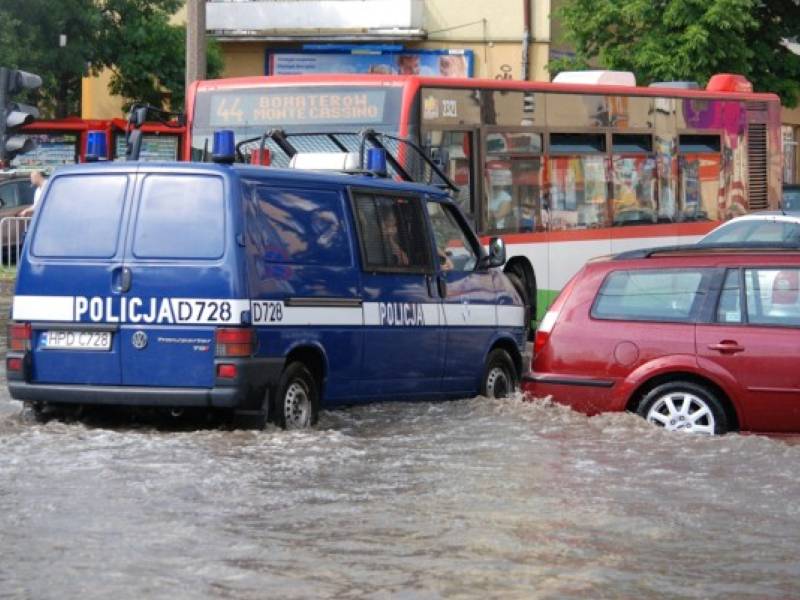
[{"x": 726, "y": 347}]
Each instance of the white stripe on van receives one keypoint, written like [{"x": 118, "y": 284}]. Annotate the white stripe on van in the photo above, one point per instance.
[
  {"x": 43, "y": 308},
  {"x": 210, "y": 311},
  {"x": 510, "y": 316}
]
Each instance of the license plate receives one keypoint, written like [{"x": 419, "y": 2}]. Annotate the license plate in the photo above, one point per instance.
[{"x": 77, "y": 340}]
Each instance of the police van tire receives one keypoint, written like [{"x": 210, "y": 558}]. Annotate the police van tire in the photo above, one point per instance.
[
  {"x": 499, "y": 376},
  {"x": 296, "y": 404}
]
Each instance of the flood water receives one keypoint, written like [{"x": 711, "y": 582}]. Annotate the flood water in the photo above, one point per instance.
[{"x": 465, "y": 499}]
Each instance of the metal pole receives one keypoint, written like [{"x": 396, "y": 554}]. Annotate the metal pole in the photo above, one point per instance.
[
  {"x": 195, "y": 41},
  {"x": 526, "y": 38},
  {"x": 4, "y": 74}
]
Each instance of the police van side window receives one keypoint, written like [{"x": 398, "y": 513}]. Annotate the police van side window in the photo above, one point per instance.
[
  {"x": 81, "y": 217},
  {"x": 180, "y": 216},
  {"x": 299, "y": 226},
  {"x": 453, "y": 247},
  {"x": 393, "y": 233}
]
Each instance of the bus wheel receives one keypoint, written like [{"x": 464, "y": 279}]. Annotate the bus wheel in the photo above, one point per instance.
[
  {"x": 499, "y": 377},
  {"x": 297, "y": 401},
  {"x": 526, "y": 287}
]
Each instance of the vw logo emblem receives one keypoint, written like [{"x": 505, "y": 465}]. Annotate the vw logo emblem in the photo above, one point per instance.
[{"x": 139, "y": 340}]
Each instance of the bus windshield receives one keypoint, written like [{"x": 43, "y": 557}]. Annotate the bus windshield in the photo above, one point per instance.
[{"x": 251, "y": 111}]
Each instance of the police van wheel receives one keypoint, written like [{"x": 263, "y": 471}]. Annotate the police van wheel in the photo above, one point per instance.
[
  {"x": 499, "y": 376},
  {"x": 297, "y": 401}
]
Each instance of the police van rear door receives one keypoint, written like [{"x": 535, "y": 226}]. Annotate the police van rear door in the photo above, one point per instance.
[
  {"x": 69, "y": 278},
  {"x": 183, "y": 280}
]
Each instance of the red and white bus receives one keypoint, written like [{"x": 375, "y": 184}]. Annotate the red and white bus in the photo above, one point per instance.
[{"x": 563, "y": 171}]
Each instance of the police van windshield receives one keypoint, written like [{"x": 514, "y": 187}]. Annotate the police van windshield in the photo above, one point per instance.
[{"x": 250, "y": 112}]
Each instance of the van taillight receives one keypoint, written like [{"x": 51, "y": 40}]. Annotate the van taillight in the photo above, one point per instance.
[
  {"x": 19, "y": 337},
  {"x": 239, "y": 341}
]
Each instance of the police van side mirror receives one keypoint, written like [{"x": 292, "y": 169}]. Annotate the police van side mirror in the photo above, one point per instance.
[{"x": 497, "y": 254}]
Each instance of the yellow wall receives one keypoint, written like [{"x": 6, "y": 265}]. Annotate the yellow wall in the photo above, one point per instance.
[
  {"x": 96, "y": 101},
  {"x": 243, "y": 59}
]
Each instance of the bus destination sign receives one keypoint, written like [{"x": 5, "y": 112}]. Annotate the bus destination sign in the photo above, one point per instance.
[{"x": 274, "y": 108}]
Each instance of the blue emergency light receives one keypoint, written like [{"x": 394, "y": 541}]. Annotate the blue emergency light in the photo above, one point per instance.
[
  {"x": 223, "y": 150},
  {"x": 96, "y": 146},
  {"x": 376, "y": 161}
]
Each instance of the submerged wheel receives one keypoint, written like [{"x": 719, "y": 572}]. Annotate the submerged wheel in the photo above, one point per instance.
[
  {"x": 297, "y": 401},
  {"x": 499, "y": 376},
  {"x": 37, "y": 411},
  {"x": 684, "y": 406}
]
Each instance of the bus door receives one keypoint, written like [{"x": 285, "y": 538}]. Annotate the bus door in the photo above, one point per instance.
[
  {"x": 453, "y": 150},
  {"x": 513, "y": 204}
]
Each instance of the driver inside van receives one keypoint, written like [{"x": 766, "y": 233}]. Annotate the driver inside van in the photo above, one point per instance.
[{"x": 397, "y": 255}]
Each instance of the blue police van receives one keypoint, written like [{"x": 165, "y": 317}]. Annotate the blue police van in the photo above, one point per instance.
[{"x": 267, "y": 292}]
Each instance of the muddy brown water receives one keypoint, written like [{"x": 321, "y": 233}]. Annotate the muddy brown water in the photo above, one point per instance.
[{"x": 464, "y": 499}]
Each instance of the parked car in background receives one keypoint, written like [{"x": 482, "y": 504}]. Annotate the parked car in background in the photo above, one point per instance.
[
  {"x": 764, "y": 226},
  {"x": 791, "y": 196},
  {"x": 16, "y": 194},
  {"x": 690, "y": 338}
]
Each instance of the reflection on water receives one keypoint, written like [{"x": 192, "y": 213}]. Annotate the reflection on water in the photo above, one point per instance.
[{"x": 473, "y": 498}]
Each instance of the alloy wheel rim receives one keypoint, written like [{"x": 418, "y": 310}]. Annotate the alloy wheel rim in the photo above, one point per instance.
[
  {"x": 297, "y": 406},
  {"x": 682, "y": 411},
  {"x": 497, "y": 384}
]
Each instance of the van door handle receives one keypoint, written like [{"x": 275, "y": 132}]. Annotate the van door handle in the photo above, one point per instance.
[
  {"x": 726, "y": 347},
  {"x": 429, "y": 284},
  {"x": 441, "y": 285},
  {"x": 121, "y": 279}
]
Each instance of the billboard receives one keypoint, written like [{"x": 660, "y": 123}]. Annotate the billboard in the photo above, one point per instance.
[{"x": 438, "y": 63}]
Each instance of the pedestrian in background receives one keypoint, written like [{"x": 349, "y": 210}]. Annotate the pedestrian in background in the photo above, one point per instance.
[{"x": 38, "y": 181}]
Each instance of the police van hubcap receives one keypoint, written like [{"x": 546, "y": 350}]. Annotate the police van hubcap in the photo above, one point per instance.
[
  {"x": 297, "y": 406},
  {"x": 497, "y": 384}
]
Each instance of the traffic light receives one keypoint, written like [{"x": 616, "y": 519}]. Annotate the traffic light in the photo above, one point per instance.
[{"x": 14, "y": 115}]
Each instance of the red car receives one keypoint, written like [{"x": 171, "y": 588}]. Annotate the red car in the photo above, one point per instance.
[{"x": 697, "y": 339}]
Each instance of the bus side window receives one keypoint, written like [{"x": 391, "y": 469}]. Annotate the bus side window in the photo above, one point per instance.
[
  {"x": 513, "y": 182},
  {"x": 700, "y": 164},
  {"x": 633, "y": 177},
  {"x": 578, "y": 181}
]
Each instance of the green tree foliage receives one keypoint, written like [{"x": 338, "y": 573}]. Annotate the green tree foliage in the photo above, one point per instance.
[
  {"x": 132, "y": 38},
  {"x": 661, "y": 40}
]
